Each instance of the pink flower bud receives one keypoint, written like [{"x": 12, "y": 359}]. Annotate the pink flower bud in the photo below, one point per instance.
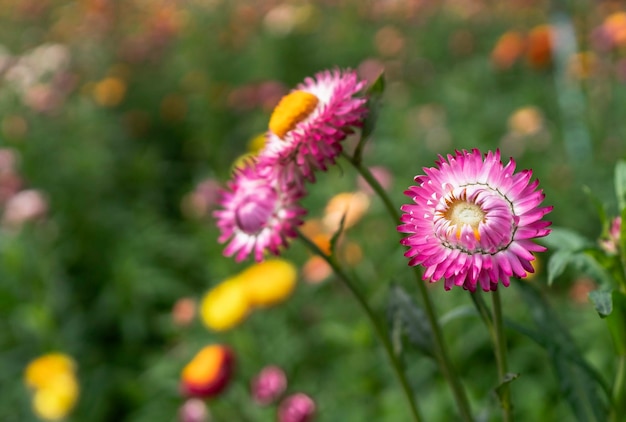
[
  {"x": 268, "y": 385},
  {"x": 296, "y": 408}
]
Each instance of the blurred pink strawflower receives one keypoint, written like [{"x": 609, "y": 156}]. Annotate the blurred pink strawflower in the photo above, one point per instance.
[
  {"x": 308, "y": 124},
  {"x": 194, "y": 410},
  {"x": 610, "y": 243},
  {"x": 296, "y": 408},
  {"x": 257, "y": 215},
  {"x": 24, "y": 206},
  {"x": 268, "y": 385},
  {"x": 473, "y": 220}
]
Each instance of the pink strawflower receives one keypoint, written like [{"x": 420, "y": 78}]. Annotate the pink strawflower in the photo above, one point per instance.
[
  {"x": 473, "y": 221},
  {"x": 296, "y": 408},
  {"x": 610, "y": 243},
  {"x": 257, "y": 214},
  {"x": 308, "y": 125},
  {"x": 268, "y": 385}
]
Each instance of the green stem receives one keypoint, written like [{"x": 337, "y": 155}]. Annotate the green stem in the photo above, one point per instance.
[
  {"x": 441, "y": 352},
  {"x": 619, "y": 391},
  {"x": 500, "y": 349},
  {"x": 378, "y": 327}
]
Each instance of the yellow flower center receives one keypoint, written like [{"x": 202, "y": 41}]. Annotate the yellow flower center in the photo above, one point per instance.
[
  {"x": 291, "y": 110},
  {"x": 461, "y": 212}
]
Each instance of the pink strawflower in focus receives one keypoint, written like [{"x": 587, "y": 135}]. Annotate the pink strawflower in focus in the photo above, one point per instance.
[
  {"x": 257, "y": 214},
  {"x": 308, "y": 124},
  {"x": 268, "y": 385},
  {"x": 296, "y": 408},
  {"x": 473, "y": 221}
]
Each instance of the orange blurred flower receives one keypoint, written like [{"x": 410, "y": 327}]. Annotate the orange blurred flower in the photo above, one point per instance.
[
  {"x": 509, "y": 48},
  {"x": 539, "y": 46},
  {"x": 109, "y": 92},
  {"x": 353, "y": 205},
  {"x": 208, "y": 373}
]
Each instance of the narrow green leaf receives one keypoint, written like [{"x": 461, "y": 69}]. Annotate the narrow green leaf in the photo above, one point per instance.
[
  {"x": 508, "y": 378},
  {"x": 603, "y": 301},
  {"x": 374, "y": 99},
  {"x": 580, "y": 384},
  {"x": 459, "y": 312},
  {"x": 558, "y": 262},
  {"x": 333, "y": 240},
  {"x": 412, "y": 319},
  {"x": 620, "y": 184}
]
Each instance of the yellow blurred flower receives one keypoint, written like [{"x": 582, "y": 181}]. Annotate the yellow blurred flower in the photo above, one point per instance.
[
  {"x": 56, "y": 400},
  {"x": 56, "y": 390},
  {"x": 225, "y": 306},
  {"x": 269, "y": 282},
  {"x": 109, "y": 92},
  {"x": 43, "y": 370}
]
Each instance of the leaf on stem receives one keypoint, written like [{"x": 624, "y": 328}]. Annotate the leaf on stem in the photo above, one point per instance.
[
  {"x": 374, "y": 99},
  {"x": 603, "y": 301},
  {"x": 508, "y": 378},
  {"x": 579, "y": 382},
  {"x": 333, "y": 240},
  {"x": 403, "y": 312}
]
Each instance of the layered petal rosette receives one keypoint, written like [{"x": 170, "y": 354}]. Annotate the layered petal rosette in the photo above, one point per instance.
[
  {"x": 473, "y": 220},
  {"x": 308, "y": 124},
  {"x": 257, "y": 214}
]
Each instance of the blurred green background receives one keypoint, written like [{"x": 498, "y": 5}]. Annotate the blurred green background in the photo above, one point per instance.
[{"x": 114, "y": 113}]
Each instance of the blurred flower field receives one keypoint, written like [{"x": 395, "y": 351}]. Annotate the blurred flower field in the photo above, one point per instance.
[{"x": 120, "y": 123}]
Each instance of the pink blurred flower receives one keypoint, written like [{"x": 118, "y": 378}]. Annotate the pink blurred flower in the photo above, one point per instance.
[
  {"x": 258, "y": 215},
  {"x": 296, "y": 408},
  {"x": 201, "y": 200},
  {"x": 268, "y": 385},
  {"x": 194, "y": 410},
  {"x": 382, "y": 176},
  {"x": 611, "y": 242},
  {"x": 24, "y": 206},
  {"x": 473, "y": 221}
]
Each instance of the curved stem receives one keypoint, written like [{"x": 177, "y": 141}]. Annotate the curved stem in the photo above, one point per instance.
[
  {"x": 378, "y": 327},
  {"x": 441, "y": 352},
  {"x": 500, "y": 349}
]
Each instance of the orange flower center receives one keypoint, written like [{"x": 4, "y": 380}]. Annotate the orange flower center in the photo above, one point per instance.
[{"x": 291, "y": 110}]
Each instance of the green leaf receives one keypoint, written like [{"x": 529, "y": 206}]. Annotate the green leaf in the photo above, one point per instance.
[
  {"x": 374, "y": 99},
  {"x": 333, "y": 240},
  {"x": 620, "y": 184},
  {"x": 404, "y": 312},
  {"x": 602, "y": 300},
  {"x": 508, "y": 378},
  {"x": 580, "y": 383},
  {"x": 562, "y": 238},
  {"x": 558, "y": 262}
]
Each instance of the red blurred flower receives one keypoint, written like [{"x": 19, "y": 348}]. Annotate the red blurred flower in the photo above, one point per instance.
[{"x": 208, "y": 373}]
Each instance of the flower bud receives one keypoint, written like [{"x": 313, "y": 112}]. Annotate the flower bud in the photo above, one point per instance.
[
  {"x": 268, "y": 385},
  {"x": 296, "y": 408}
]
